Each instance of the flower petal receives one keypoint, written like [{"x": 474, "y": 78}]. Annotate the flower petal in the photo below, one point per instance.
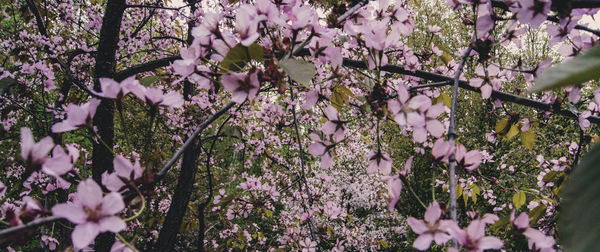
[{"x": 84, "y": 234}]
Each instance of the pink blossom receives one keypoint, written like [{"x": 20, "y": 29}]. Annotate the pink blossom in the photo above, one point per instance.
[
  {"x": 536, "y": 239},
  {"x": 474, "y": 239},
  {"x": 124, "y": 171},
  {"x": 335, "y": 126},
  {"x": 77, "y": 116},
  {"x": 155, "y": 96},
  {"x": 431, "y": 228},
  {"x": 308, "y": 245},
  {"x": 60, "y": 162},
  {"x": 187, "y": 64},
  {"x": 397, "y": 106},
  {"x": 311, "y": 97},
  {"x": 532, "y": 12},
  {"x": 92, "y": 213},
  {"x": 379, "y": 161},
  {"x": 242, "y": 86},
  {"x": 114, "y": 90},
  {"x": 469, "y": 160},
  {"x": 583, "y": 121},
  {"x": 246, "y": 24},
  {"x": 422, "y": 117},
  {"x": 34, "y": 154},
  {"x": 208, "y": 26},
  {"x": 526, "y": 124},
  {"x": 395, "y": 184},
  {"x": 321, "y": 148}
]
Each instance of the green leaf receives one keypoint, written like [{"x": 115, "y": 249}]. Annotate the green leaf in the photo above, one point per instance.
[
  {"x": 579, "y": 222},
  {"x": 337, "y": 100},
  {"x": 512, "y": 132},
  {"x": 447, "y": 100},
  {"x": 580, "y": 69},
  {"x": 475, "y": 193},
  {"x": 519, "y": 199},
  {"x": 149, "y": 80},
  {"x": 550, "y": 176},
  {"x": 384, "y": 244},
  {"x": 269, "y": 213},
  {"x": 238, "y": 56},
  {"x": 528, "y": 138},
  {"x": 537, "y": 213},
  {"x": 501, "y": 126},
  {"x": 299, "y": 70},
  {"x": 256, "y": 52},
  {"x": 502, "y": 223}
]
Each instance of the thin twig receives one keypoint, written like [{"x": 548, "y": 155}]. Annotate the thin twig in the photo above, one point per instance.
[{"x": 31, "y": 224}]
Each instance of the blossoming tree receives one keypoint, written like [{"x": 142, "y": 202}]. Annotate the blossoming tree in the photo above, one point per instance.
[{"x": 298, "y": 125}]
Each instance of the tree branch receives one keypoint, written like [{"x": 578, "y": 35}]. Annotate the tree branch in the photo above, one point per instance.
[{"x": 145, "y": 67}]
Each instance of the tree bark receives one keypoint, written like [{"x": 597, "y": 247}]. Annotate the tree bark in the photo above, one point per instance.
[
  {"x": 179, "y": 203},
  {"x": 102, "y": 157}
]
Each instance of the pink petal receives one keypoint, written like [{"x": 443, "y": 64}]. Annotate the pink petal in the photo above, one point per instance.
[
  {"x": 440, "y": 148},
  {"x": 486, "y": 91},
  {"x": 423, "y": 242},
  {"x": 112, "y": 203},
  {"x": 332, "y": 113},
  {"x": 311, "y": 98},
  {"x": 122, "y": 166},
  {"x": 89, "y": 193},
  {"x": 239, "y": 96},
  {"x": 112, "y": 182},
  {"x": 418, "y": 226},
  {"x": 113, "y": 224},
  {"x": 394, "y": 106},
  {"x": 329, "y": 128},
  {"x": 476, "y": 230},
  {"x": 84, "y": 234},
  {"x": 316, "y": 149},
  {"x": 433, "y": 213},
  {"x": 435, "y": 127},
  {"x": 63, "y": 126},
  {"x": 435, "y": 110},
  {"x": 420, "y": 102},
  {"x": 27, "y": 142},
  {"x": 326, "y": 161},
  {"x": 441, "y": 237},
  {"x": 419, "y": 135},
  {"x": 172, "y": 99},
  {"x": 71, "y": 212},
  {"x": 490, "y": 242}
]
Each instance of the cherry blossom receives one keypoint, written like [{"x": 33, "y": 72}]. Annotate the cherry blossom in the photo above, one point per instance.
[
  {"x": 77, "y": 116},
  {"x": 335, "y": 125},
  {"x": 155, "y": 96},
  {"x": 92, "y": 213},
  {"x": 115, "y": 90},
  {"x": 473, "y": 238},
  {"x": 469, "y": 160},
  {"x": 379, "y": 161},
  {"x": 34, "y": 154},
  {"x": 431, "y": 228},
  {"x": 321, "y": 148},
  {"x": 242, "y": 86},
  {"x": 124, "y": 170}
]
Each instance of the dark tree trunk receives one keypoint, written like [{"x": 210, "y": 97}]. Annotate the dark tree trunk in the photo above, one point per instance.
[
  {"x": 102, "y": 157},
  {"x": 179, "y": 203}
]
